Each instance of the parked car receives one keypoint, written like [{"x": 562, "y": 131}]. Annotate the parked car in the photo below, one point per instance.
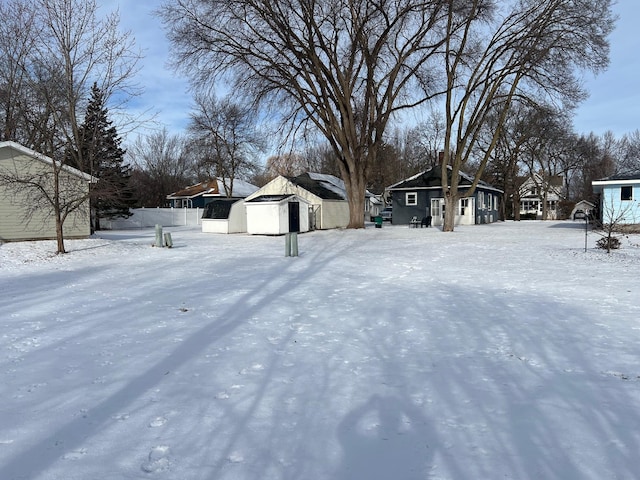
[
  {"x": 579, "y": 214},
  {"x": 386, "y": 214}
]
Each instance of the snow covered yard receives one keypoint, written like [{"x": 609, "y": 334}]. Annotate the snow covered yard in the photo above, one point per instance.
[{"x": 499, "y": 351}]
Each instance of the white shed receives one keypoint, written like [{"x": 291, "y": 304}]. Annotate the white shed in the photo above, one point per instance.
[
  {"x": 277, "y": 214},
  {"x": 224, "y": 215},
  {"x": 325, "y": 194}
]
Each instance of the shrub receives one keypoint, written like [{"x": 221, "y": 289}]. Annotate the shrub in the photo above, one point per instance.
[{"x": 608, "y": 243}]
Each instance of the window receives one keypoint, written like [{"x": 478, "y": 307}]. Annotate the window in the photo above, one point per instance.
[
  {"x": 463, "y": 206},
  {"x": 411, "y": 198},
  {"x": 626, "y": 193},
  {"x": 530, "y": 205}
]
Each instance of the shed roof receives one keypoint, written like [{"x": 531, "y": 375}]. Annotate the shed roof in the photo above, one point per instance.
[{"x": 270, "y": 198}]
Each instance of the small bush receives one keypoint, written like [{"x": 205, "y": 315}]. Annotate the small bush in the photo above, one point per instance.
[{"x": 609, "y": 243}]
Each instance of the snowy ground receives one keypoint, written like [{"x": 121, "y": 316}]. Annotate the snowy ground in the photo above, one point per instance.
[{"x": 495, "y": 352}]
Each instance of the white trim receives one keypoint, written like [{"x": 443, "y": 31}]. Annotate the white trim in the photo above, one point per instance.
[{"x": 43, "y": 158}]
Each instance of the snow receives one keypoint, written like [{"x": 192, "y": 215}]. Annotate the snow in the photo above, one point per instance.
[{"x": 500, "y": 351}]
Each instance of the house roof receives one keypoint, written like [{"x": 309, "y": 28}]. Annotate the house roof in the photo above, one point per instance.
[
  {"x": 214, "y": 187},
  {"x": 48, "y": 160},
  {"x": 432, "y": 179},
  {"x": 623, "y": 176},
  {"x": 324, "y": 186},
  {"x": 210, "y": 186}
]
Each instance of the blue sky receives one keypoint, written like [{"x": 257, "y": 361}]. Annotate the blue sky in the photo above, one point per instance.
[{"x": 614, "y": 102}]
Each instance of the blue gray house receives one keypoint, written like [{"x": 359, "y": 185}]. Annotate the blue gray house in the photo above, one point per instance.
[
  {"x": 421, "y": 196},
  {"x": 619, "y": 198}
]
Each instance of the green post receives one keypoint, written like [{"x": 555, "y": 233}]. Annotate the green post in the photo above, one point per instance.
[
  {"x": 287, "y": 244},
  {"x": 159, "y": 242},
  {"x": 167, "y": 240}
]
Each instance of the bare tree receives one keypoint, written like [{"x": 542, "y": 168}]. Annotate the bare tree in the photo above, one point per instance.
[
  {"x": 71, "y": 47},
  {"x": 343, "y": 67},
  {"x": 548, "y": 153},
  {"x": 162, "y": 164},
  {"x": 499, "y": 52},
  {"x": 17, "y": 41},
  {"x": 630, "y": 152},
  {"x": 226, "y": 138}
]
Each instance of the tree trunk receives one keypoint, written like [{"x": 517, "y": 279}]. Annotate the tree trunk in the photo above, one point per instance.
[
  {"x": 449, "y": 212},
  {"x": 355, "y": 185},
  {"x": 59, "y": 233}
]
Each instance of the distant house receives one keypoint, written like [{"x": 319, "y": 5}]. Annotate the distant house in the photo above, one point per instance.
[
  {"x": 325, "y": 194},
  {"x": 619, "y": 198},
  {"x": 200, "y": 194},
  {"x": 535, "y": 190},
  {"x": 421, "y": 196},
  {"x": 20, "y": 219}
]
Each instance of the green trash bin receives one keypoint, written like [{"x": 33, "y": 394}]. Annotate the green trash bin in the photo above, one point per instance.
[{"x": 378, "y": 221}]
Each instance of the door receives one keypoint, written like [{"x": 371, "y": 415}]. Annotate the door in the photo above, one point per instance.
[
  {"x": 294, "y": 216},
  {"x": 437, "y": 211}
]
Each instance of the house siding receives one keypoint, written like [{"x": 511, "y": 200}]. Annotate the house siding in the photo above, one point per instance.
[
  {"x": 613, "y": 206},
  {"x": 483, "y": 212},
  {"x": 19, "y": 220}
]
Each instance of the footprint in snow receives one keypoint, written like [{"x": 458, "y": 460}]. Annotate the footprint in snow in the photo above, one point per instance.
[
  {"x": 158, "y": 460},
  {"x": 157, "y": 422},
  {"x": 75, "y": 454},
  {"x": 235, "y": 457},
  {"x": 254, "y": 368}
]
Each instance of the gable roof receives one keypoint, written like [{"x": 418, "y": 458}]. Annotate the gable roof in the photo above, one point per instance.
[
  {"x": 214, "y": 187},
  {"x": 196, "y": 190},
  {"x": 324, "y": 186},
  {"x": 432, "y": 179},
  {"x": 21, "y": 149}
]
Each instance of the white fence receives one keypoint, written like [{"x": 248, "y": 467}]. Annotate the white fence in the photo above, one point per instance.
[{"x": 150, "y": 217}]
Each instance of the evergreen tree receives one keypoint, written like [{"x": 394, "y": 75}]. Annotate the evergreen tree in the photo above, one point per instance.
[{"x": 100, "y": 155}]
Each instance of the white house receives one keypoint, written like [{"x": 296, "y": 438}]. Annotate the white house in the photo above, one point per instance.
[{"x": 535, "y": 190}]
